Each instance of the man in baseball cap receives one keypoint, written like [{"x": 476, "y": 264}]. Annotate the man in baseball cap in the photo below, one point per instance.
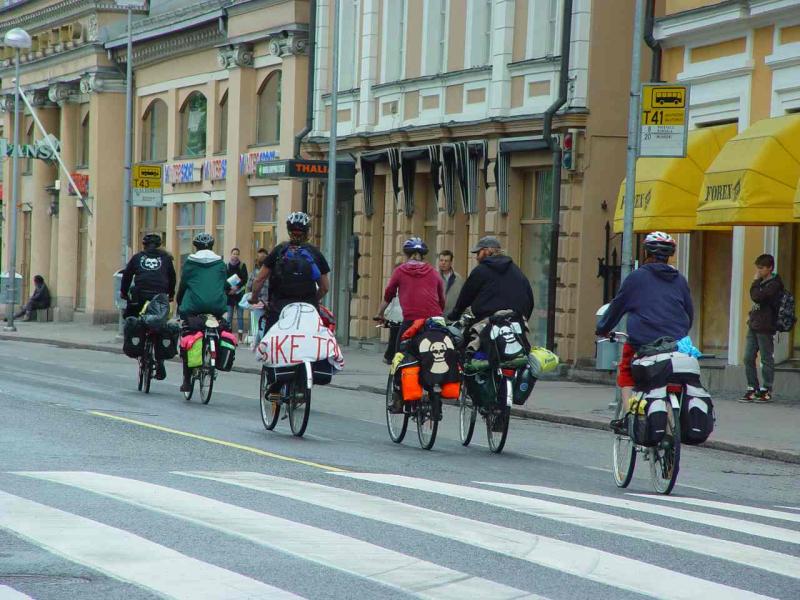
[{"x": 495, "y": 284}]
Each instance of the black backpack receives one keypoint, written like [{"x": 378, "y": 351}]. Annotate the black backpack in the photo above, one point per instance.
[
  {"x": 296, "y": 272},
  {"x": 504, "y": 337}
]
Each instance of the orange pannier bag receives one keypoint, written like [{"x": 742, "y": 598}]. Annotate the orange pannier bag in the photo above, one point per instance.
[
  {"x": 451, "y": 390},
  {"x": 409, "y": 383}
]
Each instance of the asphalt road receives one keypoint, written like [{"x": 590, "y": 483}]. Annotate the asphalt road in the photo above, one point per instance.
[{"x": 109, "y": 493}]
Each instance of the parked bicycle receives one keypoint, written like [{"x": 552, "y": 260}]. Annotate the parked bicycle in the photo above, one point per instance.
[{"x": 658, "y": 419}]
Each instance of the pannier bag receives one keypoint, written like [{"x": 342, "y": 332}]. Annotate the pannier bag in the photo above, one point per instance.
[
  {"x": 481, "y": 388},
  {"x": 523, "y": 385},
  {"x": 322, "y": 372},
  {"x": 451, "y": 390},
  {"x": 410, "y": 384},
  {"x": 542, "y": 361},
  {"x": 226, "y": 353},
  {"x": 192, "y": 347},
  {"x": 650, "y": 415},
  {"x": 167, "y": 346},
  {"x": 156, "y": 312},
  {"x": 656, "y": 371},
  {"x": 282, "y": 374},
  {"x": 133, "y": 337},
  {"x": 697, "y": 416}
]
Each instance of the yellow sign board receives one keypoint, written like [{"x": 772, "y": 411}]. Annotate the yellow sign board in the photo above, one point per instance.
[
  {"x": 664, "y": 120},
  {"x": 146, "y": 185}
]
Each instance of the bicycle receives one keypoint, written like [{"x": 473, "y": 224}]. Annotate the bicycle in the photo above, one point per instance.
[
  {"x": 295, "y": 396},
  {"x": 206, "y": 373},
  {"x": 147, "y": 362},
  {"x": 664, "y": 457}
]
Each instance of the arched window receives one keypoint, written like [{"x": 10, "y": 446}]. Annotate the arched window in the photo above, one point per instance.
[
  {"x": 222, "y": 137},
  {"x": 154, "y": 132},
  {"x": 269, "y": 111},
  {"x": 193, "y": 126}
]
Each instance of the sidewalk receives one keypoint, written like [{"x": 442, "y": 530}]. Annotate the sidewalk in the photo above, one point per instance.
[{"x": 768, "y": 431}]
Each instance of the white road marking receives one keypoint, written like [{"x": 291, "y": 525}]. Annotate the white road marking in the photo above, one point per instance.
[
  {"x": 697, "y": 487},
  {"x": 7, "y": 593},
  {"x": 126, "y": 556},
  {"x": 738, "y": 525},
  {"x": 790, "y": 507},
  {"x": 334, "y": 550},
  {"x": 737, "y": 508},
  {"x": 751, "y": 556},
  {"x": 581, "y": 561}
]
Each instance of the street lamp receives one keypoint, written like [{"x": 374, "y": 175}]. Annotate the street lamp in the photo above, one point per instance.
[{"x": 18, "y": 39}]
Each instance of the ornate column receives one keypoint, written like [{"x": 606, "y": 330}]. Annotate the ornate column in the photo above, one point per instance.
[
  {"x": 239, "y": 208},
  {"x": 43, "y": 175},
  {"x": 292, "y": 48},
  {"x": 65, "y": 95}
]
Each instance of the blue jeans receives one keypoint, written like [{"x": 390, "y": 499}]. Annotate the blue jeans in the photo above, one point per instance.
[
  {"x": 762, "y": 344},
  {"x": 239, "y": 313}
]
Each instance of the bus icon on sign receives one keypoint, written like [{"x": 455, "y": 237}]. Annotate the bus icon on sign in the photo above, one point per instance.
[{"x": 669, "y": 96}]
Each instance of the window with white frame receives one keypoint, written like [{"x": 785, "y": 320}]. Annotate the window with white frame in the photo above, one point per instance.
[
  {"x": 435, "y": 36},
  {"x": 479, "y": 33},
  {"x": 544, "y": 28},
  {"x": 394, "y": 39},
  {"x": 349, "y": 34}
]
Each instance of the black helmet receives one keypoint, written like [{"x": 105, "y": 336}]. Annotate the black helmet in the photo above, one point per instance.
[
  {"x": 203, "y": 241},
  {"x": 414, "y": 245},
  {"x": 151, "y": 239},
  {"x": 659, "y": 244},
  {"x": 298, "y": 221}
]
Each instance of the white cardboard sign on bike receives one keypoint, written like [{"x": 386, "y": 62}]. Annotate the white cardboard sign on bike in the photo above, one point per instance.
[{"x": 299, "y": 336}]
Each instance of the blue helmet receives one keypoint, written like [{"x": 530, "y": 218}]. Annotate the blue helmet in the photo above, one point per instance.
[{"x": 414, "y": 245}]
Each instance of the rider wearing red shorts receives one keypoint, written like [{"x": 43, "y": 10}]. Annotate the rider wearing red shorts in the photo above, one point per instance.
[{"x": 658, "y": 303}]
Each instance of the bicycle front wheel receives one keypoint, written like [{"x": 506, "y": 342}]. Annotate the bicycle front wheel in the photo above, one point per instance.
[
  {"x": 427, "y": 423},
  {"x": 623, "y": 454},
  {"x": 665, "y": 458},
  {"x": 270, "y": 411},
  {"x": 299, "y": 405},
  {"x": 397, "y": 423},
  {"x": 497, "y": 428},
  {"x": 467, "y": 413}
]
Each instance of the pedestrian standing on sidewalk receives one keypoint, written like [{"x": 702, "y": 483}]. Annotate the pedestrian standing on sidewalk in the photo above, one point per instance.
[
  {"x": 765, "y": 292},
  {"x": 453, "y": 282},
  {"x": 235, "y": 294}
]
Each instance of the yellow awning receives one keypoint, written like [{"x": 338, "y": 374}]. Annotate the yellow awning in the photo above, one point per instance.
[
  {"x": 754, "y": 179},
  {"x": 667, "y": 189}
]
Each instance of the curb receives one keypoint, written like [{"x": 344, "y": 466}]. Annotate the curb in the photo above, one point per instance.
[{"x": 523, "y": 413}]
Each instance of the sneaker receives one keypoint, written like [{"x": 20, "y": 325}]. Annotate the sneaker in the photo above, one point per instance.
[
  {"x": 619, "y": 426},
  {"x": 274, "y": 396},
  {"x": 161, "y": 371},
  {"x": 749, "y": 396},
  {"x": 763, "y": 396}
]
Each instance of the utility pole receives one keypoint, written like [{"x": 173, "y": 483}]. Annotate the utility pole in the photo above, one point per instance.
[
  {"x": 126, "y": 184},
  {"x": 633, "y": 139},
  {"x": 329, "y": 242}
]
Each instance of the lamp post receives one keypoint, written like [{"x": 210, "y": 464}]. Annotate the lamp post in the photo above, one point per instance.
[
  {"x": 18, "y": 39},
  {"x": 330, "y": 200}
]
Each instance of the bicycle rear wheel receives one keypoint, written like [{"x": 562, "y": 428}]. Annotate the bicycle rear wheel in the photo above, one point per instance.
[
  {"x": 665, "y": 458},
  {"x": 623, "y": 454},
  {"x": 427, "y": 423},
  {"x": 150, "y": 363},
  {"x": 397, "y": 423},
  {"x": 497, "y": 428},
  {"x": 299, "y": 405},
  {"x": 270, "y": 411},
  {"x": 207, "y": 376},
  {"x": 142, "y": 370},
  {"x": 467, "y": 413}
]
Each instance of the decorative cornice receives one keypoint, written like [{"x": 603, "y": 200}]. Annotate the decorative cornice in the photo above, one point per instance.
[
  {"x": 64, "y": 93},
  {"x": 7, "y": 104},
  {"x": 40, "y": 98},
  {"x": 100, "y": 83},
  {"x": 172, "y": 17},
  {"x": 238, "y": 56},
  {"x": 288, "y": 43},
  {"x": 55, "y": 13},
  {"x": 180, "y": 43}
]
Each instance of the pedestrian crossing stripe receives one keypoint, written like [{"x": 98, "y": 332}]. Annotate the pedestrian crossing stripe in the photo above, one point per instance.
[
  {"x": 720, "y": 522},
  {"x": 751, "y": 556},
  {"x": 581, "y": 561},
  {"x": 126, "y": 556},
  {"x": 394, "y": 569},
  {"x": 737, "y": 508}
]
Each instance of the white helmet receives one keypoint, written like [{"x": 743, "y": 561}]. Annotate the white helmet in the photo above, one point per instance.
[
  {"x": 659, "y": 244},
  {"x": 298, "y": 220}
]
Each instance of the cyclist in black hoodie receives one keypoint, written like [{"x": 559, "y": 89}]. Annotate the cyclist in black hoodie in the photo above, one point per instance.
[{"x": 495, "y": 284}]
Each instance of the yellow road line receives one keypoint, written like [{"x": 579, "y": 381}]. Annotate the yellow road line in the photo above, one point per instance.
[{"x": 211, "y": 440}]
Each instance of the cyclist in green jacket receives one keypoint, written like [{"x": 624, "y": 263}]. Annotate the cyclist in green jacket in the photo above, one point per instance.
[{"x": 203, "y": 287}]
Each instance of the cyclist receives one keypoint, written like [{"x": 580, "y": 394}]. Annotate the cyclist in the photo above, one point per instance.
[
  {"x": 297, "y": 271},
  {"x": 418, "y": 285},
  {"x": 658, "y": 303},
  {"x": 147, "y": 274},
  {"x": 495, "y": 284},
  {"x": 203, "y": 288}
]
